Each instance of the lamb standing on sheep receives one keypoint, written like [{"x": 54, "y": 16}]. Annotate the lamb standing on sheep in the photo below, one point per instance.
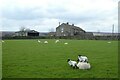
[
  {"x": 72, "y": 63},
  {"x": 82, "y": 58}
]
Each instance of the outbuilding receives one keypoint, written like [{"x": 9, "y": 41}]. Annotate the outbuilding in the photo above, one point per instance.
[{"x": 27, "y": 33}]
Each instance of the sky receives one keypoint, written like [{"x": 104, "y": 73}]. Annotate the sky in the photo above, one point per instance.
[{"x": 45, "y": 15}]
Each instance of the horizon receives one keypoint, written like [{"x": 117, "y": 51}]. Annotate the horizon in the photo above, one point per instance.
[{"x": 55, "y": 31}]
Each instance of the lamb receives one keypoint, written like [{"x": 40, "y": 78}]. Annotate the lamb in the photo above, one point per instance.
[
  {"x": 83, "y": 65},
  {"x": 82, "y": 58},
  {"x": 72, "y": 63}
]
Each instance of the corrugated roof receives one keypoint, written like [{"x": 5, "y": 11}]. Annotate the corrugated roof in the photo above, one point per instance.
[{"x": 32, "y": 31}]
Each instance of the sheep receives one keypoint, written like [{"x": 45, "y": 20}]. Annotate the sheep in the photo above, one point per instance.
[
  {"x": 39, "y": 41},
  {"x": 57, "y": 41},
  {"x": 109, "y": 42},
  {"x": 83, "y": 65},
  {"x": 46, "y": 42},
  {"x": 3, "y": 41},
  {"x": 72, "y": 63},
  {"x": 65, "y": 43},
  {"x": 82, "y": 58}
]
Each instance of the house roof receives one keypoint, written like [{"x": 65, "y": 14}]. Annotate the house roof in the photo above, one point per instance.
[{"x": 72, "y": 26}]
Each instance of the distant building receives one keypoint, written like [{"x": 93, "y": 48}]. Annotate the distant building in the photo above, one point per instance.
[
  {"x": 105, "y": 34},
  {"x": 52, "y": 34},
  {"x": 69, "y": 30},
  {"x": 7, "y": 33},
  {"x": 43, "y": 34},
  {"x": 27, "y": 33}
]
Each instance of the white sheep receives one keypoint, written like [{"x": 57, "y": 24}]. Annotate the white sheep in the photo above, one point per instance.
[
  {"x": 57, "y": 41},
  {"x": 46, "y": 42},
  {"x": 83, "y": 65},
  {"x": 66, "y": 43},
  {"x": 3, "y": 41},
  {"x": 109, "y": 42},
  {"x": 39, "y": 41},
  {"x": 82, "y": 58},
  {"x": 72, "y": 63}
]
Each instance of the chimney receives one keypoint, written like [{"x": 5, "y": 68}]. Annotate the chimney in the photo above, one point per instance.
[
  {"x": 59, "y": 23},
  {"x": 67, "y": 23},
  {"x": 72, "y": 24}
]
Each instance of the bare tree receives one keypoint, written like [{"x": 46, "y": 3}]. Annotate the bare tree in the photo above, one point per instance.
[
  {"x": 51, "y": 30},
  {"x": 22, "y": 30}
]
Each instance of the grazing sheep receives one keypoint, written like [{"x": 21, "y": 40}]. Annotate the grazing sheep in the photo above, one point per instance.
[
  {"x": 83, "y": 65},
  {"x": 72, "y": 63},
  {"x": 39, "y": 41},
  {"x": 3, "y": 41},
  {"x": 82, "y": 58},
  {"x": 57, "y": 41},
  {"x": 46, "y": 42},
  {"x": 65, "y": 43},
  {"x": 109, "y": 42}
]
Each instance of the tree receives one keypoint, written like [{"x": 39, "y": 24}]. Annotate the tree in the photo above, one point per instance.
[
  {"x": 22, "y": 28},
  {"x": 22, "y": 31},
  {"x": 51, "y": 30}
]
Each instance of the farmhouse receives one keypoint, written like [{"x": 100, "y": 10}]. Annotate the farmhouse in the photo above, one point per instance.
[
  {"x": 65, "y": 29},
  {"x": 27, "y": 33}
]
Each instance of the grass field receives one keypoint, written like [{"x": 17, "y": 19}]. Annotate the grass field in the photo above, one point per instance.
[{"x": 30, "y": 59}]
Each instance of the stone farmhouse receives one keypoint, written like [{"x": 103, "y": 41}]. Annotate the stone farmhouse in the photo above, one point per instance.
[{"x": 65, "y": 29}]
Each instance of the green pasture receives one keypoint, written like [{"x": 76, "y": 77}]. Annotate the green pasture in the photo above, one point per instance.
[{"x": 30, "y": 59}]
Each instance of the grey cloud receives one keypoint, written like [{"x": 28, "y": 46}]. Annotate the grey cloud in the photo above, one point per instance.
[
  {"x": 60, "y": 13},
  {"x": 20, "y": 14},
  {"x": 54, "y": 12}
]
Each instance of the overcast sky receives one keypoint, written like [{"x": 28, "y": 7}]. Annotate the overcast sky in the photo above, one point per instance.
[{"x": 43, "y": 15}]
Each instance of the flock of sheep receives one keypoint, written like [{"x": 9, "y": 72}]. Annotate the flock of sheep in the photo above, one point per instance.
[
  {"x": 46, "y": 42},
  {"x": 82, "y": 63},
  {"x": 82, "y": 60}
]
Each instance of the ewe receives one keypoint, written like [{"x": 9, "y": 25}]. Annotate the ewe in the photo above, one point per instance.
[
  {"x": 72, "y": 63},
  {"x": 39, "y": 41},
  {"x": 109, "y": 42},
  {"x": 57, "y": 41},
  {"x": 65, "y": 43},
  {"x": 3, "y": 41},
  {"x": 46, "y": 42},
  {"x": 83, "y": 65},
  {"x": 82, "y": 58}
]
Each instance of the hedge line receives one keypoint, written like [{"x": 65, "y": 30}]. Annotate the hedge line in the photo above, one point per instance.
[{"x": 66, "y": 37}]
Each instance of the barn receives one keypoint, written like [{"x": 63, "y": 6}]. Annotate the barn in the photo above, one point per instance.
[
  {"x": 33, "y": 33},
  {"x": 27, "y": 33}
]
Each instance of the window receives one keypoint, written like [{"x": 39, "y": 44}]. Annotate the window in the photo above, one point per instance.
[{"x": 62, "y": 30}]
